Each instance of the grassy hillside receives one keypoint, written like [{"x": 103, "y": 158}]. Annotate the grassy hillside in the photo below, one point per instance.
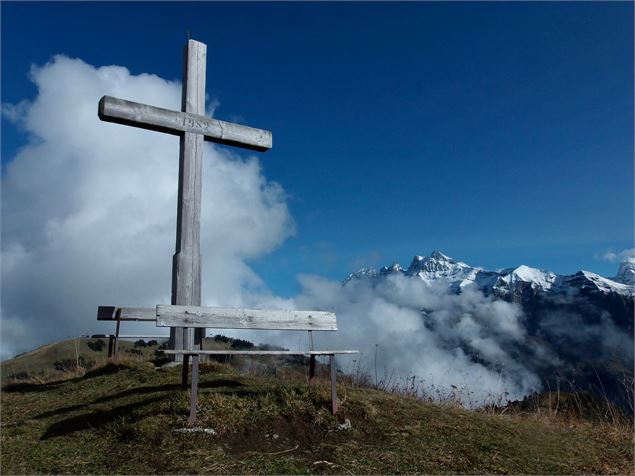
[
  {"x": 60, "y": 360},
  {"x": 71, "y": 358},
  {"x": 121, "y": 418}
]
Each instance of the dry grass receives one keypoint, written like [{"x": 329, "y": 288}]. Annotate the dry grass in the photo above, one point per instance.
[{"x": 119, "y": 419}]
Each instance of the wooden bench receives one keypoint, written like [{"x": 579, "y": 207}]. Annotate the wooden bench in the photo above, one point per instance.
[
  {"x": 120, "y": 314},
  {"x": 253, "y": 319}
]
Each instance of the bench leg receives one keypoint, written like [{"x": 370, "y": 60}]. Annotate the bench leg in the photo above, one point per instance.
[
  {"x": 117, "y": 339},
  {"x": 333, "y": 385},
  {"x": 311, "y": 369},
  {"x": 186, "y": 368},
  {"x": 111, "y": 341},
  {"x": 194, "y": 390}
]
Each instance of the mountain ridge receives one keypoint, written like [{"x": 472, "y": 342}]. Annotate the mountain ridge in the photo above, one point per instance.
[
  {"x": 578, "y": 328},
  {"x": 438, "y": 266}
]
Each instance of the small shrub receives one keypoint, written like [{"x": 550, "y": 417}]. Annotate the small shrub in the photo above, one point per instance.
[
  {"x": 222, "y": 338},
  {"x": 211, "y": 367},
  {"x": 136, "y": 352},
  {"x": 20, "y": 376},
  {"x": 270, "y": 347},
  {"x": 152, "y": 343},
  {"x": 160, "y": 358},
  {"x": 221, "y": 359},
  {"x": 140, "y": 343},
  {"x": 241, "y": 344},
  {"x": 96, "y": 345},
  {"x": 71, "y": 365}
]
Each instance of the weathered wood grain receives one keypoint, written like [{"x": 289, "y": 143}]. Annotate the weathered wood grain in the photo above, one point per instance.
[
  {"x": 186, "y": 262},
  {"x": 231, "y": 318},
  {"x": 113, "y": 313},
  {"x": 158, "y": 119}
]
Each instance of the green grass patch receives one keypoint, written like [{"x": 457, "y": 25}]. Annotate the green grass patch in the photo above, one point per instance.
[{"x": 121, "y": 418}]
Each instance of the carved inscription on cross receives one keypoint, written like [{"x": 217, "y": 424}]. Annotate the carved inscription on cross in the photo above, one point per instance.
[{"x": 191, "y": 125}]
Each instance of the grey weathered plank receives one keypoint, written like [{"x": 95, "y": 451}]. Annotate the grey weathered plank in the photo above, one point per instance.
[
  {"x": 113, "y": 313},
  {"x": 158, "y": 119},
  {"x": 231, "y": 318},
  {"x": 186, "y": 262},
  {"x": 262, "y": 352}
]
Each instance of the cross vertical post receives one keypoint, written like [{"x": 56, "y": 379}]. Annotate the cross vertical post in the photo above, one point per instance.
[
  {"x": 192, "y": 127},
  {"x": 186, "y": 263}
]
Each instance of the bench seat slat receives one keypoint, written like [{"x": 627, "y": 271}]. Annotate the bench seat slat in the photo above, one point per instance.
[
  {"x": 260, "y": 352},
  {"x": 232, "y": 318}
]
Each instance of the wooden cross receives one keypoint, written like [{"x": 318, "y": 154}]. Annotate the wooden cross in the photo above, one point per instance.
[{"x": 191, "y": 125}]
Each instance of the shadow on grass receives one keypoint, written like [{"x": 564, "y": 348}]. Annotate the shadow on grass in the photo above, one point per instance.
[
  {"x": 98, "y": 419},
  {"x": 108, "y": 369},
  {"x": 140, "y": 391},
  {"x": 26, "y": 387}
]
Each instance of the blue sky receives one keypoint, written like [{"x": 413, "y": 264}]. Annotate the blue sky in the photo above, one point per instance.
[{"x": 499, "y": 133}]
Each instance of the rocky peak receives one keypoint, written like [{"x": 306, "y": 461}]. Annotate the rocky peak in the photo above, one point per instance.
[
  {"x": 626, "y": 273},
  {"x": 437, "y": 264},
  {"x": 392, "y": 269}
]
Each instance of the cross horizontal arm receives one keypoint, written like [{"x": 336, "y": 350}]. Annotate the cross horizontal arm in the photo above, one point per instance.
[
  {"x": 232, "y": 318},
  {"x": 153, "y": 118}
]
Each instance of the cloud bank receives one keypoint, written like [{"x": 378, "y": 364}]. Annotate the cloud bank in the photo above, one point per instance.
[
  {"x": 461, "y": 346},
  {"x": 89, "y": 209}
]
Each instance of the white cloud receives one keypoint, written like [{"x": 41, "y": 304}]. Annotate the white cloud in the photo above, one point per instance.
[
  {"x": 624, "y": 255},
  {"x": 89, "y": 209},
  {"x": 431, "y": 345},
  {"x": 15, "y": 112}
]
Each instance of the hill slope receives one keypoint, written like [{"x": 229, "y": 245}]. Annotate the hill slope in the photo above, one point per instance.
[{"x": 121, "y": 419}]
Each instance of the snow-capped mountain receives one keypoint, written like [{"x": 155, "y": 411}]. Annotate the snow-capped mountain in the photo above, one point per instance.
[
  {"x": 578, "y": 328},
  {"x": 523, "y": 280},
  {"x": 626, "y": 273}
]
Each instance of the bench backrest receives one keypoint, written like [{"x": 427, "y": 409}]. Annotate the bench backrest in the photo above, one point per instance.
[
  {"x": 231, "y": 318},
  {"x": 113, "y": 313}
]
